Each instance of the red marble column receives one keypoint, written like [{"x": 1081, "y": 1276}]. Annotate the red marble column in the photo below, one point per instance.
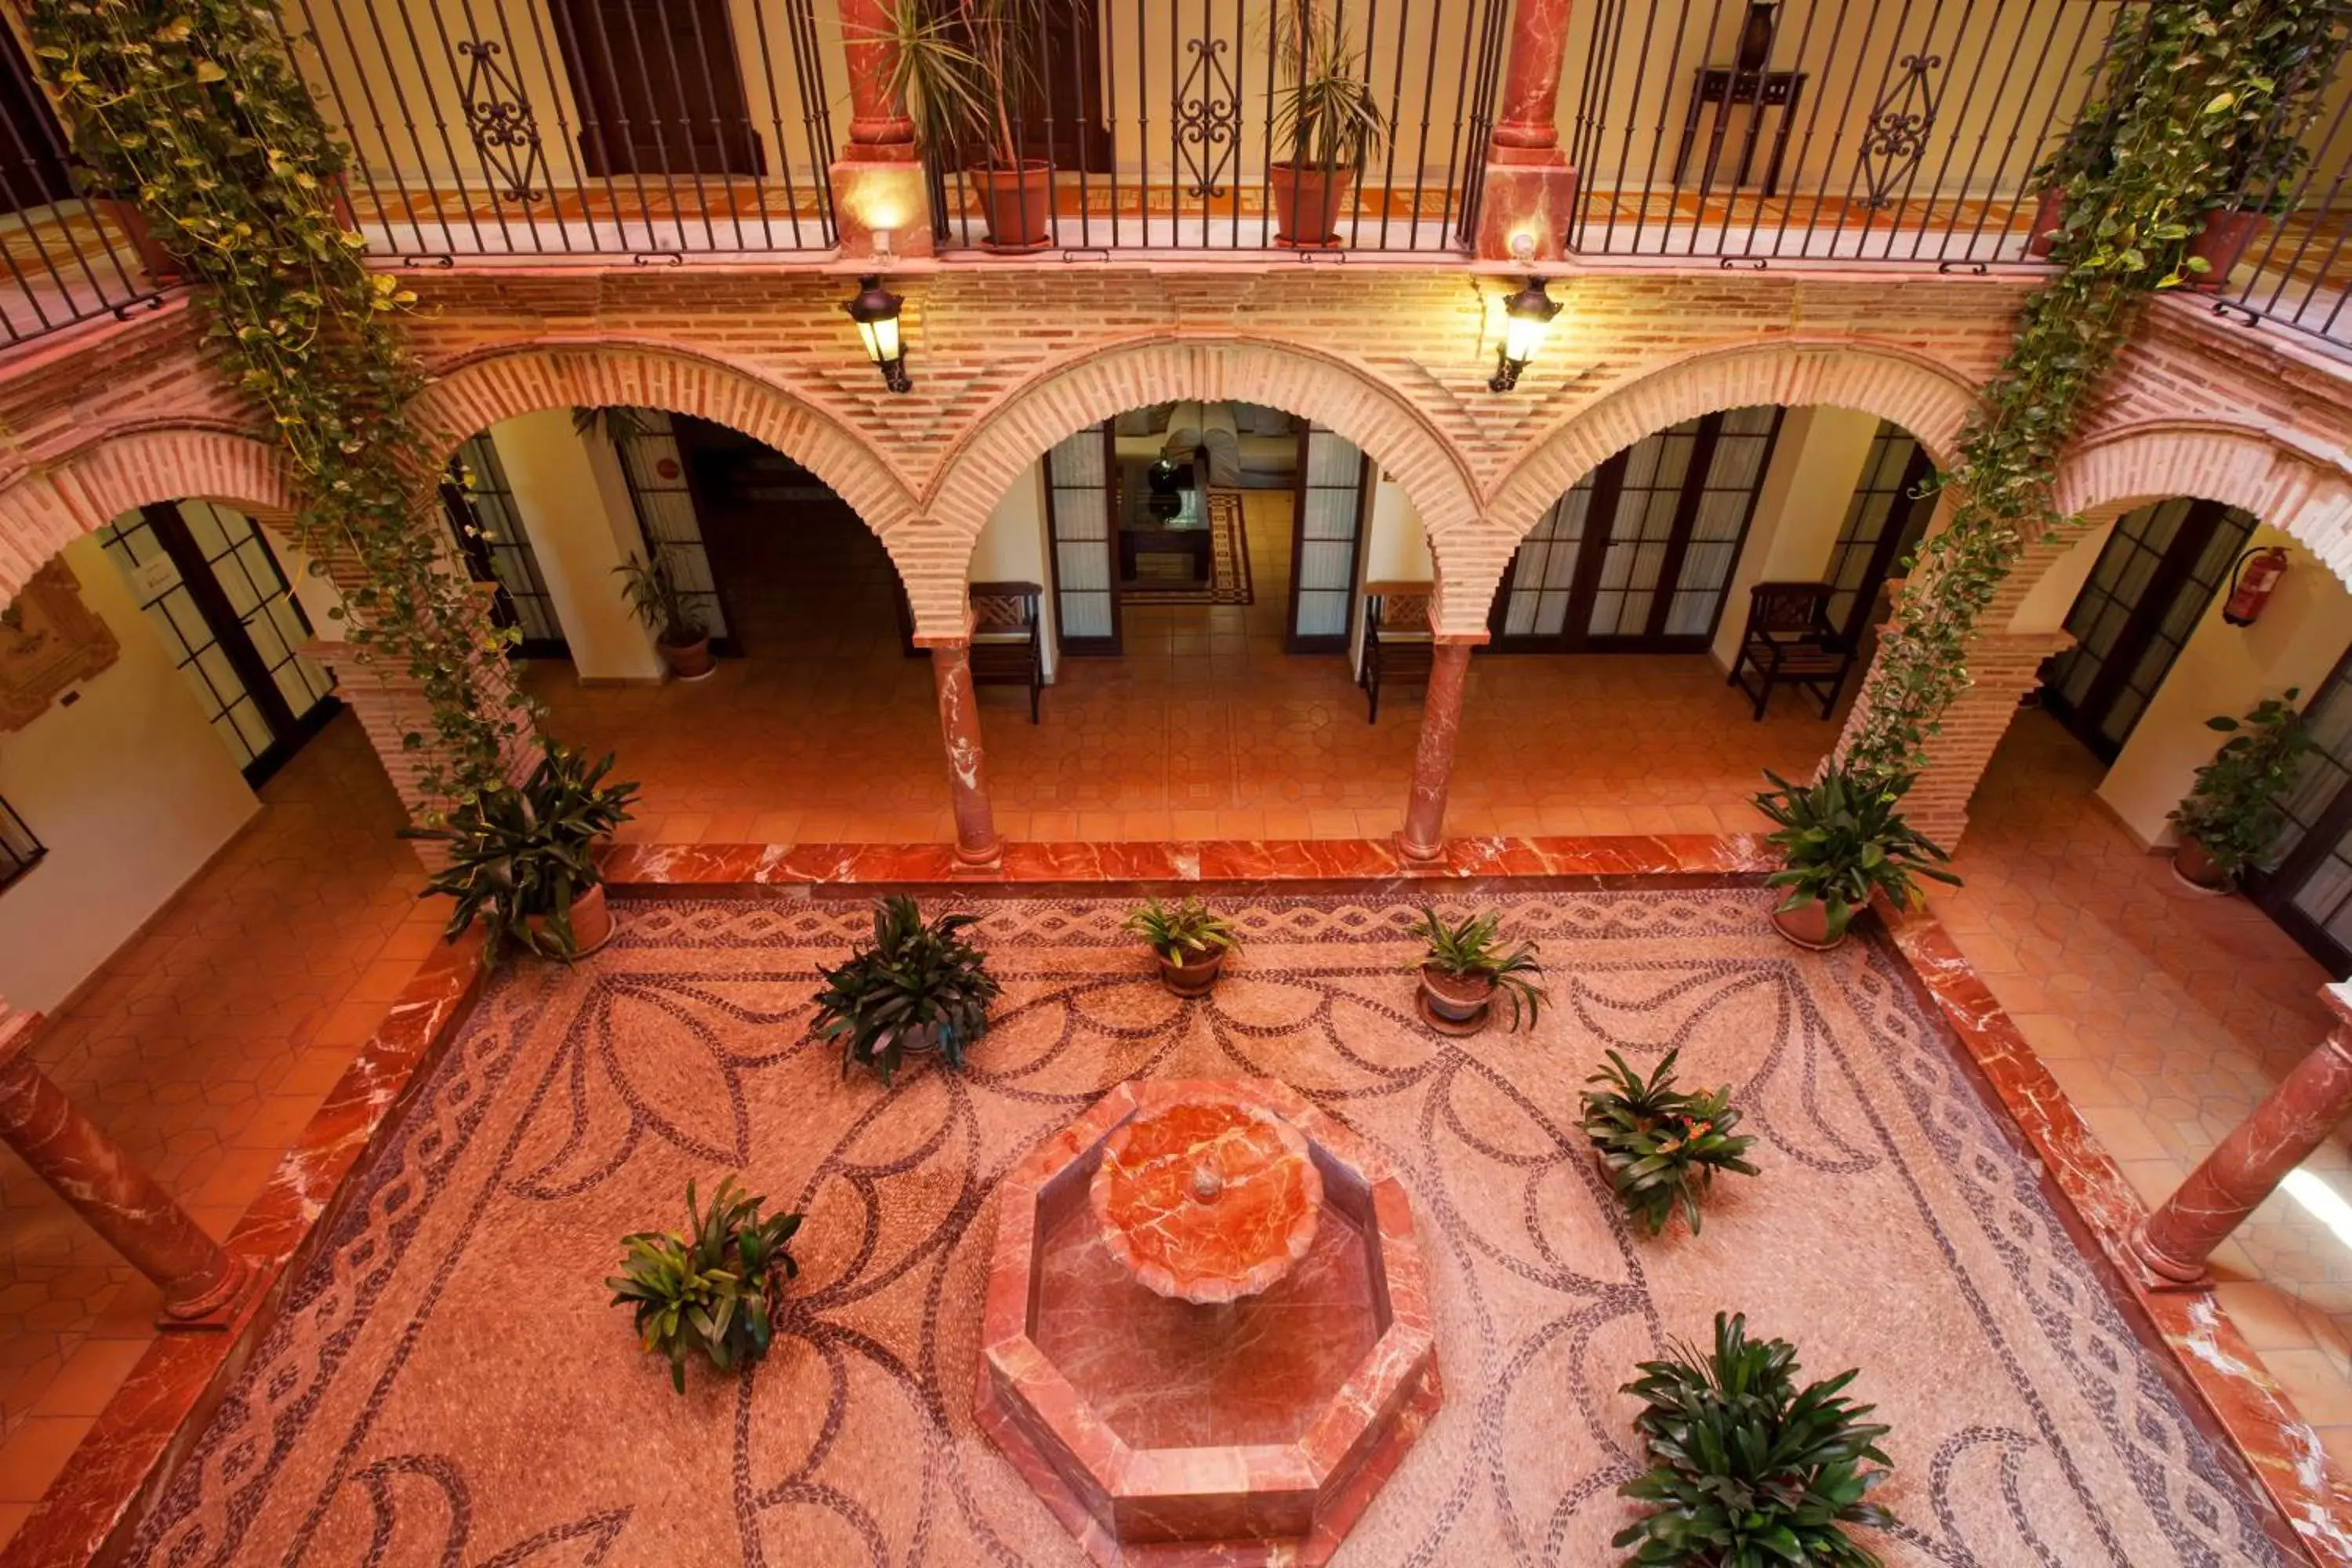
[
  {"x": 880, "y": 208},
  {"x": 2245, "y": 1167},
  {"x": 1530, "y": 186},
  {"x": 204, "y": 1286},
  {"x": 878, "y": 126},
  {"x": 1424, "y": 837},
  {"x": 976, "y": 841}
]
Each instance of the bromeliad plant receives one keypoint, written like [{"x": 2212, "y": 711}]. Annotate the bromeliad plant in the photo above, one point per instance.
[
  {"x": 2232, "y": 812},
  {"x": 919, "y": 988},
  {"x": 1471, "y": 949},
  {"x": 1662, "y": 1145},
  {"x": 1845, "y": 840},
  {"x": 719, "y": 1291},
  {"x": 1189, "y": 933},
  {"x": 519, "y": 858},
  {"x": 1747, "y": 1469}
]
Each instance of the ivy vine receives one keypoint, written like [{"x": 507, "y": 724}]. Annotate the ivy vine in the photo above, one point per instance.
[
  {"x": 2197, "y": 91},
  {"x": 193, "y": 109}
]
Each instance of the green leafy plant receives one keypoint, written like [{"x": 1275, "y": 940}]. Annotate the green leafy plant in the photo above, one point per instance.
[
  {"x": 718, "y": 1290},
  {"x": 657, "y": 599},
  {"x": 1844, "y": 839},
  {"x": 966, "y": 70},
  {"x": 2232, "y": 810},
  {"x": 919, "y": 987},
  {"x": 1662, "y": 1145},
  {"x": 1325, "y": 112},
  {"x": 516, "y": 854},
  {"x": 1189, "y": 931},
  {"x": 1472, "y": 949},
  {"x": 1747, "y": 1469}
]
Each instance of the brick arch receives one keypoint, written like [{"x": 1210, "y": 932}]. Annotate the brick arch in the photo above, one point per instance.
[
  {"x": 47, "y": 509},
  {"x": 1071, "y": 395},
  {"x": 2306, "y": 494}
]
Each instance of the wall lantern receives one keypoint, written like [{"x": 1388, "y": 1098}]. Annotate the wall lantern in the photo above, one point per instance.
[
  {"x": 1527, "y": 319},
  {"x": 876, "y": 311}
]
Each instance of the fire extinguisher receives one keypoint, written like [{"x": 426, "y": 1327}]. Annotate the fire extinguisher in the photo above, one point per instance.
[{"x": 2251, "y": 585}]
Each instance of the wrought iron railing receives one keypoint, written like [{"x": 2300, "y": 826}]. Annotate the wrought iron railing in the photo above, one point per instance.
[
  {"x": 549, "y": 127},
  {"x": 1850, "y": 131},
  {"x": 2296, "y": 272},
  {"x": 1163, "y": 123}
]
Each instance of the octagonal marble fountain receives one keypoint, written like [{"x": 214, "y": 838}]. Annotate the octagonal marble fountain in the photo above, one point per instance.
[{"x": 1207, "y": 1334}]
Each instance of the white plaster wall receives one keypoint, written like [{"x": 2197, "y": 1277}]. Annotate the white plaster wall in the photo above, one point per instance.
[
  {"x": 568, "y": 491},
  {"x": 1396, "y": 549},
  {"x": 1011, "y": 549},
  {"x": 1809, "y": 487},
  {"x": 129, "y": 790},
  {"x": 2051, "y": 598},
  {"x": 2227, "y": 670}
]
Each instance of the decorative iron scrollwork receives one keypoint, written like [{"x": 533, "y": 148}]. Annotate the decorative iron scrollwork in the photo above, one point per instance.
[
  {"x": 1895, "y": 139},
  {"x": 499, "y": 119},
  {"x": 1208, "y": 117}
]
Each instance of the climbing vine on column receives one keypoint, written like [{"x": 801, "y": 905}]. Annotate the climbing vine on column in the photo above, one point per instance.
[
  {"x": 193, "y": 109},
  {"x": 2197, "y": 91}
]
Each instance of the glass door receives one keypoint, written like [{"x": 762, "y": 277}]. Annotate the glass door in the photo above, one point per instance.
[
  {"x": 481, "y": 511},
  {"x": 1884, "y": 524},
  {"x": 1077, "y": 519},
  {"x": 1329, "y": 512},
  {"x": 2306, "y": 880},
  {"x": 653, "y": 464},
  {"x": 2160, "y": 569}
]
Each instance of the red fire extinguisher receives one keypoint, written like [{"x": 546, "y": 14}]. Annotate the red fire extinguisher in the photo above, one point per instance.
[{"x": 2251, "y": 585}]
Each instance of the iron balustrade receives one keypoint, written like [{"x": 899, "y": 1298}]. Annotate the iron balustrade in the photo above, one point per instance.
[{"x": 2296, "y": 273}]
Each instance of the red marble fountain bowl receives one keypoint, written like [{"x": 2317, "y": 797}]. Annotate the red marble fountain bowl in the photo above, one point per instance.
[
  {"x": 1161, "y": 1431},
  {"x": 1207, "y": 1200}
]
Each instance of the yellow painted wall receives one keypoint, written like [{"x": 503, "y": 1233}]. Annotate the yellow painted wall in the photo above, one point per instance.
[
  {"x": 1011, "y": 549},
  {"x": 1816, "y": 463},
  {"x": 1396, "y": 549},
  {"x": 129, "y": 790},
  {"x": 2227, "y": 670},
  {"x": 569, "y": 492}
]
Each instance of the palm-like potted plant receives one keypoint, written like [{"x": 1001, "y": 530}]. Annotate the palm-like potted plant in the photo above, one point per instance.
[
  {"x": 662, "y": 602},
  {"x": 2232, "y": 813},
  {"x": 1844, "y": 839},
  {"x": 966, "y": 69},
  {"x": 921, "y": 988},
  {"x": 1659, "y": 1145},
  {"x": 718, "y": 1291},
  {"x": 1464, "y": 965},
  {"x": 1190, "y": 941},
  {"x": 522, "y": 860},
  {"x": 1327, "y": 122},
  {"x": 1747, "y": 1468}
]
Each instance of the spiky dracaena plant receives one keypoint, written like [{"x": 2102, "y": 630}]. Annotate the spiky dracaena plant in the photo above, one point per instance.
[
  {"x": 718, "y": 1291},
  {"x": 918, "y": 987},
  {"x": 1662, "y": 1145}
]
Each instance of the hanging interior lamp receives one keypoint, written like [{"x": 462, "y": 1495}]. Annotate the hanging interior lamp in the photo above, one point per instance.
[
  {"x": 876, "y": 311},
  {"x": 1527, "y": 319}
]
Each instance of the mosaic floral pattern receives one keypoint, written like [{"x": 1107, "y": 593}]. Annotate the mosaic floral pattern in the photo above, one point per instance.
[{"x": 449, "y": 1384}]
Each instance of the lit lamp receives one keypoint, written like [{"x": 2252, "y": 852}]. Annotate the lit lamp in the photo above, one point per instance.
[
  {"x": 876, "y": 311},
  {"x": 1526, "y": 318}
]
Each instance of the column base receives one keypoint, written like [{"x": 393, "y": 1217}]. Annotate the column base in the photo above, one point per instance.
[
  {"x": 873, "y": 196},
  {"x": 1420, "y": 855},
  {"x": 1531, "y": 198},
  {"x": 2156, "y": 1270},
  {"x": 218, "y": 1305},
  {"x": 980, "y": 862}
]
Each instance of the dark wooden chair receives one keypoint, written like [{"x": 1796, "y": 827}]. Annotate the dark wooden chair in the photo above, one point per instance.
[
  {"x": 1397, "y": 644},
  {"x": 1790, "y": 642},
  {"x": 1008, "y": 646}
]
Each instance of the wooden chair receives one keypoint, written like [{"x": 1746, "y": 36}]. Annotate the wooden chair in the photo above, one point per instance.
[
  {"x": 1397, "y": 644},
  {"x": 1790, "y": 642},
  {"x": 1008, "y": 645}
]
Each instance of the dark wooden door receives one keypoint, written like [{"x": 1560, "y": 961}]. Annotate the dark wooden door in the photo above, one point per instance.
[
  {"x": 32, "y": 144},
  {"x": 1061, "y": 114},
  {"x": 658, "y": 88}
]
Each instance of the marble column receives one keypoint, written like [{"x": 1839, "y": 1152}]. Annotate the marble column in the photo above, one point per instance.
[
  {"x": 2248, "y": 1164},
  {"x": 204, "y": 1286},
  {"x": 1529, "y": 187},
  {"x": 880, "y": 208},
  {"x": 976, "y": 841},
  {"x": 1424, "y": 837}
]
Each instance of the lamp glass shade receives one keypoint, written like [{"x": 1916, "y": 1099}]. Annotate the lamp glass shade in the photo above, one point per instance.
[
  {"x": 1526, "y": 321},
  {"x": 881, "y": 338}
]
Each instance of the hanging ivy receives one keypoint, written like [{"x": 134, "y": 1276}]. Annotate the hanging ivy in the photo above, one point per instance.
[
  {"x": 2200, "y": 92},
  {"x": 193, "y": 109}
]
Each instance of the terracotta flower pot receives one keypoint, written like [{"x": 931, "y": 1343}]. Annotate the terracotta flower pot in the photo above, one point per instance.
[
  {"x": 1306, "y": 204},
  {"x": 1016, "y": 203},
  {"x": 1192, "y": 979},
  {"x": 2194, "y": 864},
  {"x": 123, "y": 219},
  {"x": 2049, "y": 211},
  {"x": 687, "y": 662},
  {"x": 1808, "y": 927},
  {"x": 1455, "y": 1003},
  {"x": 2221, "y": 238},
  {"x": 591, "y": 921}
]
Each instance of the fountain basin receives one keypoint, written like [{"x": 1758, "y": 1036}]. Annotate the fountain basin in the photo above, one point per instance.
[{"x": 1154, "y": 1426}]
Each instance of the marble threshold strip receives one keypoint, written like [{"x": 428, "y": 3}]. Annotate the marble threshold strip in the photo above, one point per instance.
[{"x": 118, "y": 1471}]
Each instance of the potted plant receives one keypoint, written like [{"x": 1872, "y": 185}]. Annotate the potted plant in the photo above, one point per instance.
[
  {"x": 1745, "y": 1466},
  {"x": 920, "y": 988},
  {"x": 1190, "y": 941},
  {"x": 522, "y": 860},
  {"x": 1464, "y": 965},
  {"x": 654, "y": 594},
  {"x": 2084, "y": 153},
  {"x": 1659, "y": 1145},
  {"x": 1326, "y": 118},
  {"x": 2265, "y": 155},
  {"x": 719, "y": 1291},
  {"x": 2232, "y": 813},
  {"x": 1845, "y": 840},
  {"x": 964, "y": 69}
]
